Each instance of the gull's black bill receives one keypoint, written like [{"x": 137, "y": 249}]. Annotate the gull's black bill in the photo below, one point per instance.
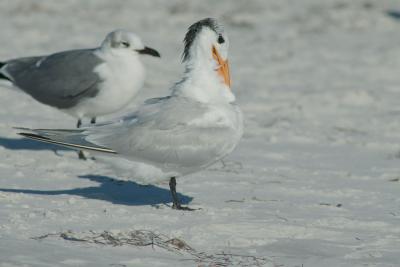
[{"x": 149, "y": 51}]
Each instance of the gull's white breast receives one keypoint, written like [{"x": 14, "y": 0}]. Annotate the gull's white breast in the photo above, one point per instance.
[{"x": 122, "y": 76}]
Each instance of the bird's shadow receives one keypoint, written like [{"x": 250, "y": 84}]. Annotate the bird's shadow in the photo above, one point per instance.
[
  {"x": 114, "y": 191},
  {"x": 27, "y": 144},
  {"x": 395, "y": 14}
]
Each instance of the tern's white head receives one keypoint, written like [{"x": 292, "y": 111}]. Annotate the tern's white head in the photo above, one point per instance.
[
  {"x": 207, "y": 76},
  {"x": 122, "y": 40}
]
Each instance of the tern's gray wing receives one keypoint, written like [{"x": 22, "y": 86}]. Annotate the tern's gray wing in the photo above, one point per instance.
[
  {"x": 60, "y": 80},
  {"x": 175, "y": 132}
]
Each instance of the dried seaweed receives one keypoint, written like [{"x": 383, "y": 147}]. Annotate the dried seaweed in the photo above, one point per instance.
[{"x": 142, "y": 238}]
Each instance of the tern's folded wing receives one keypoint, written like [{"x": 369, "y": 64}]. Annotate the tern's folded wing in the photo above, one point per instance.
[{"x": 176, "y": 132}]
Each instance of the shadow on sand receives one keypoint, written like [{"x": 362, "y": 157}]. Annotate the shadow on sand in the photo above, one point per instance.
[
  {"x": 111, "y": 190},
  {"x": 114, "y": 191}
]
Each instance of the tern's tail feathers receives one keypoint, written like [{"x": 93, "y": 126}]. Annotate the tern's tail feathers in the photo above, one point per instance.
[{"x": 69, "y": 138}]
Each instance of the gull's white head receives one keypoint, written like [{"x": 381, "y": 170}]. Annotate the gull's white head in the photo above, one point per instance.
[
  {"x": 207, "y": 44},
  {"x": 122, "y": 40}
]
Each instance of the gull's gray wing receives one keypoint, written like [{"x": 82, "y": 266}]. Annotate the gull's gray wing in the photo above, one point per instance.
[{"x": 60, "y": 80}]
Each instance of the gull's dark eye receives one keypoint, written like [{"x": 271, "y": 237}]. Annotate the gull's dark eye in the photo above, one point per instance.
[
  {"x": 125, "y": 44},
  {"x": 221, "y": 39}
]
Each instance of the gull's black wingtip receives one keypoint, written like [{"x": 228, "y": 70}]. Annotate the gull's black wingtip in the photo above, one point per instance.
[
  {"x": 395, "y": 14},
  {"x": 2, "y": 76}
]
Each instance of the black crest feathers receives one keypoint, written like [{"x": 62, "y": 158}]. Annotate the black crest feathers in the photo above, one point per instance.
[{"x": 194, "y": 30}]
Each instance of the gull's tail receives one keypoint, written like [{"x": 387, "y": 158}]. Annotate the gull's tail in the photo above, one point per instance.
[
  {"x": 70, "y": 138},
  {"x": 2, "y": 76}
]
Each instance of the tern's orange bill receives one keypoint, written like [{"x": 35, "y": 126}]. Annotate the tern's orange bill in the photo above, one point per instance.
[{"x": 223, "y": 67}]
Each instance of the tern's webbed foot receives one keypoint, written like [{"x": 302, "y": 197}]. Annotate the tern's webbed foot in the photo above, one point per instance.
[{"x": 179, "y": 207}]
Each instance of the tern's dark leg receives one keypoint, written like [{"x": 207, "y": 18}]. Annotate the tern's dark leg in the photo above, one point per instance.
[
  {"x": 175, "y": 200},
  {"x": 80, "y": 153},
  {"x": 79, "y": 123}
]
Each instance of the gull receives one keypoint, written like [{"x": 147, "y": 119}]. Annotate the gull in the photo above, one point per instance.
[
  {"x": 84, "y": 82},
  {"x": 198, "y": 124}
]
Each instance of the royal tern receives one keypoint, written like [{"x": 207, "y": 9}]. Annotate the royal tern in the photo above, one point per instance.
[{"x": 194, "y": 127}]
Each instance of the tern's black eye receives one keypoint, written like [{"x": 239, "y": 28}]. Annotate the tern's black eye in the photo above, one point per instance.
[
  {"x": 125, "y": 44},
  {"x": 221, "y": 39}
]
